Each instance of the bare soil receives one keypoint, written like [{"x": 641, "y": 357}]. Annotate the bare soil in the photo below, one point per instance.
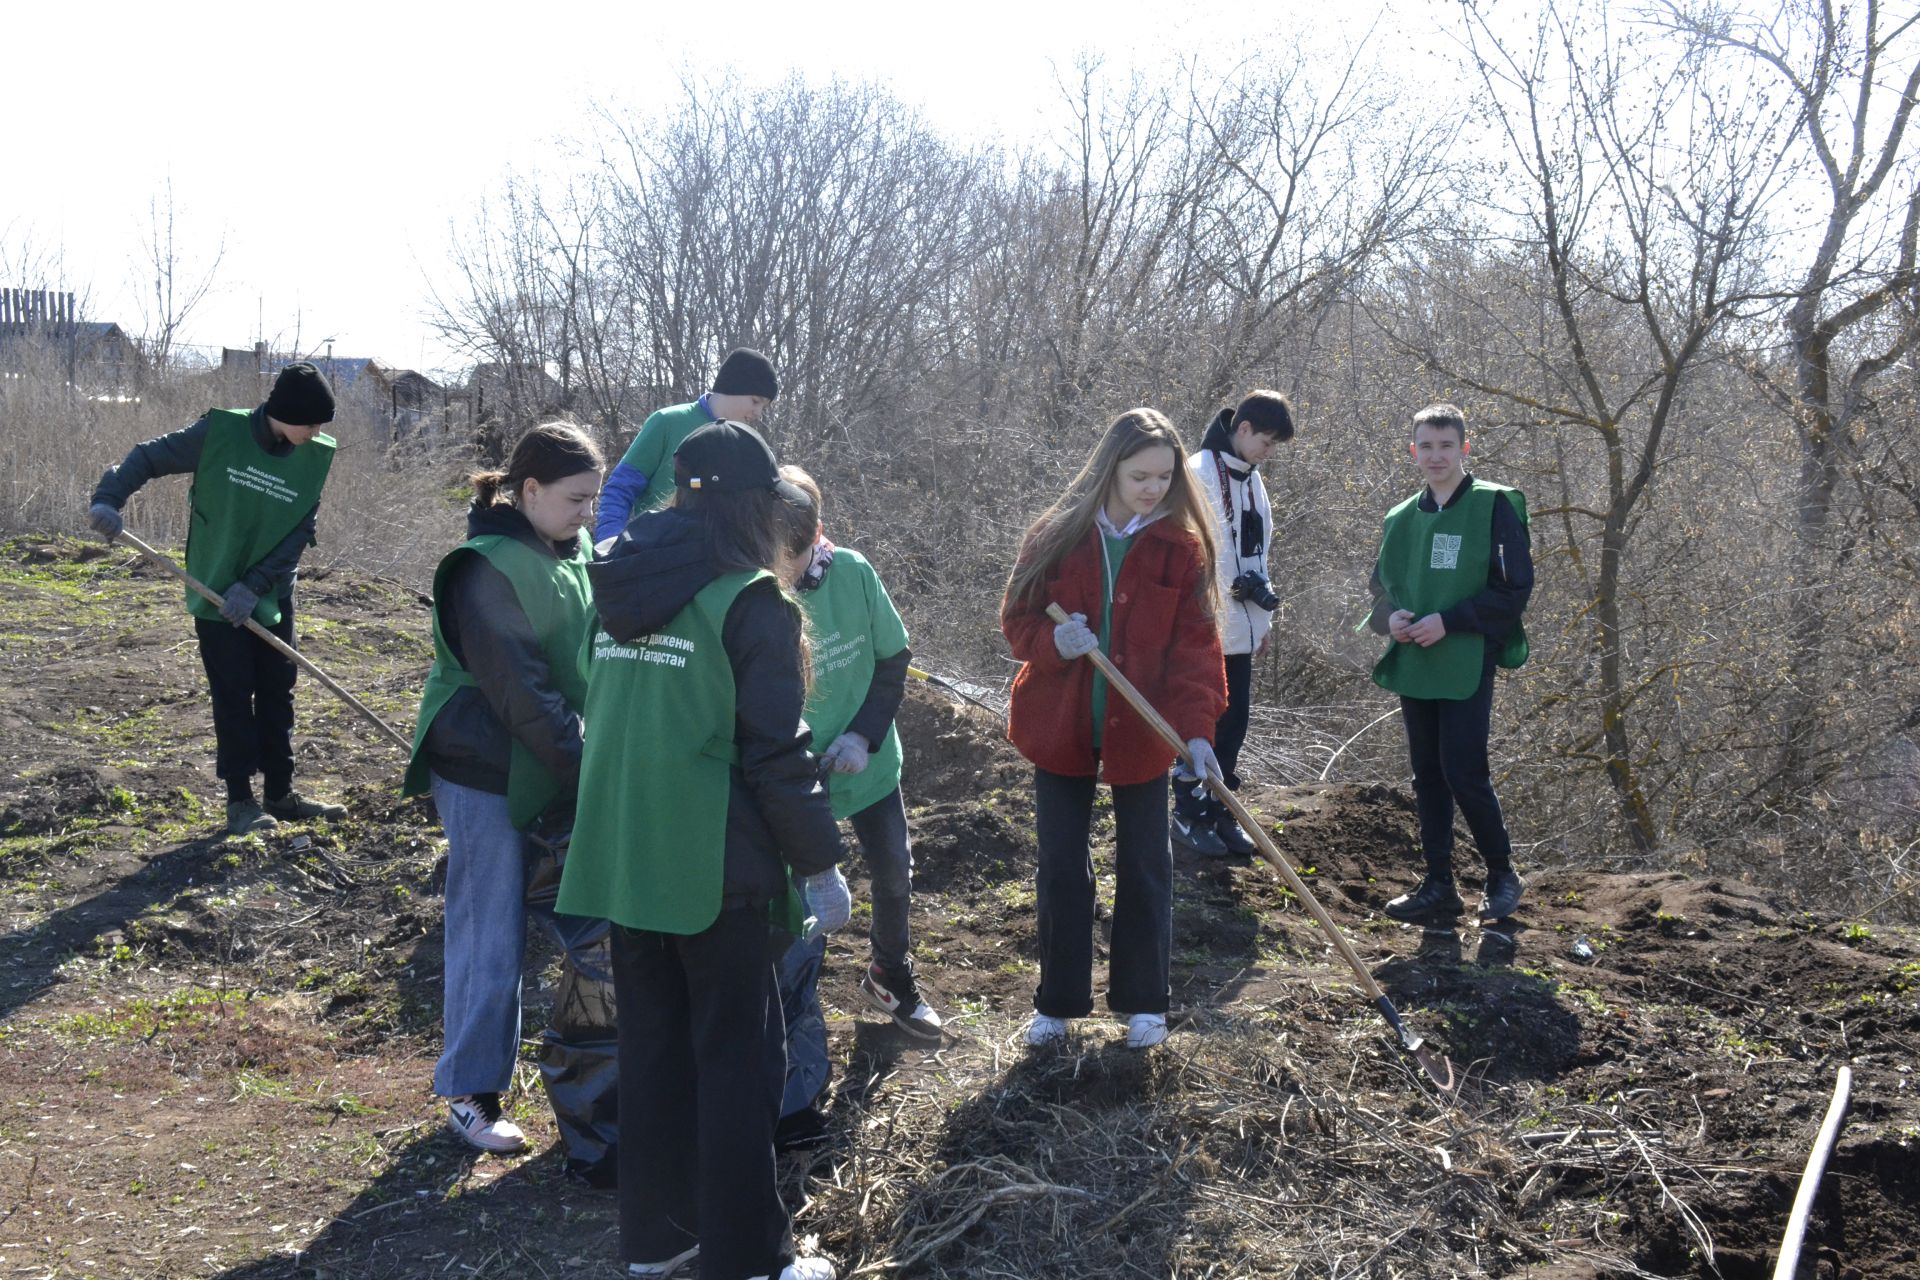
[{"x": 215, "y": 1054}]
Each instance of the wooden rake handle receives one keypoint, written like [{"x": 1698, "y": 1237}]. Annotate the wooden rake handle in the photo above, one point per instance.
[
  {"x": 280, "y": 646},
  {"x": 1260, "y": 838}
]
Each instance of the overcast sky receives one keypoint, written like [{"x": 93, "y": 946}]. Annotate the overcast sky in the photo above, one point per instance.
[{"x": 327, "y": 150}]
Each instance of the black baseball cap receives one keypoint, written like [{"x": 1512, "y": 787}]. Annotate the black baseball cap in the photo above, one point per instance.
[{"x": 730, "y": 457}]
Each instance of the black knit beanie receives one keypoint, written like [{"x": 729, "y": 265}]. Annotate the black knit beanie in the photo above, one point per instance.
[
  {"x": 1268, "y": 412},
  {"x": 301, "y": 397},
  {"x": 745, "y": 372}
]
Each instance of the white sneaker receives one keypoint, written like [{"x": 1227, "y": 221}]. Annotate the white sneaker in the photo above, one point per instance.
[
  {"x": 661, "y": 1270},
  {"x": 1145, "y": 1030},
  {"x": 1045, "y": 1030},
  {"x": 476, "y": 1120},
  {"x": 804, "y": 1269}
]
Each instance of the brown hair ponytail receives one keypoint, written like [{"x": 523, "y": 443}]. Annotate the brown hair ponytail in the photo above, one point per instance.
[{"x": 549, "y": 452}]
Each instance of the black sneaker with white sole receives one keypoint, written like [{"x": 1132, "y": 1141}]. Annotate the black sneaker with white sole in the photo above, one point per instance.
[
  {"x": 895, "y": 992},
  {"x": 1193, "y": 820}
]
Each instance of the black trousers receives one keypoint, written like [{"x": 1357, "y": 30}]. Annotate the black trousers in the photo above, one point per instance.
[
  {"x": 1139, "y": 959},
  {"x": 252, "y": 689},
  {"x": 1447, "y": 743},
  {"x": 702, "y": 1065},
  {"x": 1230, "y": 733}
]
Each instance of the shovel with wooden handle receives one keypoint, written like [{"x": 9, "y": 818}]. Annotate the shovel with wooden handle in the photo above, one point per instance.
[
  {"x": 1436, "y": 1066},
  {"x": 280, "y": 646}
]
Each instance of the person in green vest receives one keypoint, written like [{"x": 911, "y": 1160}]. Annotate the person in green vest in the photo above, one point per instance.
[
  {"x": 860, "y": 660},
  {"x": 1453, "y": 576},
  {"x": 498, "y": 743},
  {"x": 643, "y": 478},
  {"x": 701, "y": 808},
  {"x": 255, "y": 499}
]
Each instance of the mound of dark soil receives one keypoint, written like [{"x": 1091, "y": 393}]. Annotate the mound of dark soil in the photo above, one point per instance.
[{"x": 46, "y": 804}]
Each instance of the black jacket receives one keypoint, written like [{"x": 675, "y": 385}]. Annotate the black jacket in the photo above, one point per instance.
[
  {"x": 1494, "y": 609},
  {"x": 471, "y": 738},
  {"x": 777, "y": 807},
  {"x": 178, "y": 453}
]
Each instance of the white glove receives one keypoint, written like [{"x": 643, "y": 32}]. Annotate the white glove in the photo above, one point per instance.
[
  {"x": 848, "y": 753},
  {"x": 829, "y": 902},
  {"x": 1073, "y": 638},
  {"x": 1205, "y": 764}
]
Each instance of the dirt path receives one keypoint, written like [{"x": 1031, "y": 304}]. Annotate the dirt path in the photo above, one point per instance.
[{"x": 214, "y": 1054}]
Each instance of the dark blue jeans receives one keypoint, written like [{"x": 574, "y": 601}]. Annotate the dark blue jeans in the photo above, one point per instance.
[
  {"x": 1139, "y": 959},
  {"x": 1447, "y": 744},
  {"x": 881, "y": 829},
  {"x": 252, "y": 688},
  {"x": 1230, "y": 733}
]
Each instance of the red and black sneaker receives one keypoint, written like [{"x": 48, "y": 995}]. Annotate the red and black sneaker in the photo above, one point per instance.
[{"x": 897, "y": 993}]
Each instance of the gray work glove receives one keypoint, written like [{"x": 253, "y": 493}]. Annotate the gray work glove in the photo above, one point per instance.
[
  {"x": 829, "y": 902},
  {"x": 1205, "y": 765},
  {"x": 848, "y": 753},
  {"x": 240, "y": 600},
  {"x": 104, "y": 519},
  {"x": 1073, "y": 638}
]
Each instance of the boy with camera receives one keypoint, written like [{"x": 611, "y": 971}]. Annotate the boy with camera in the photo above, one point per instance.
[{"x": 1226, "y": 469}]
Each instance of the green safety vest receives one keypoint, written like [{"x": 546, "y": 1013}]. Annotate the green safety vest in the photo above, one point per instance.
[
  {"x": 1429, "y": 562},
  {"x": 558, "y": 600},
  {"x": 649, "y": 837},
  {"x": 244, "y": 503},
  {"x": 651, "y": 452},
  {"x": 854, "y": 622}
]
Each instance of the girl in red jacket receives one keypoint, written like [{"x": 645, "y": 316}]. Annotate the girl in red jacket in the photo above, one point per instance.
[{"x": 1128, "y": 552}]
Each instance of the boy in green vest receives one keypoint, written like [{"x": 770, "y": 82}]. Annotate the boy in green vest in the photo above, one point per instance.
[
  {"x": 643, "y": 478},
  {"x": 1452, "y": 578},
  {"x": 255, "y": 498}
]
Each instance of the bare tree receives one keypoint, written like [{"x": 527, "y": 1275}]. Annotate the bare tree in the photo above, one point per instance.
[
  {"x": 179, "y": 281},
  {"x": 1853, "y": 76},
  {"x": 1300, "y": 188}
]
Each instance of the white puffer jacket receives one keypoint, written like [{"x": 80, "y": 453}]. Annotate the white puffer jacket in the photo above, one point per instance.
[{"x": 1243, "y": 625}]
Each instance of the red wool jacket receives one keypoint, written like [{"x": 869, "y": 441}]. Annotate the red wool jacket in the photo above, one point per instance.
[{"x": 1163, "y": 642}]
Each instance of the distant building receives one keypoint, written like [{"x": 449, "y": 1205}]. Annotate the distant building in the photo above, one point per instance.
[
  {"x": 42, "y": 327},
  {"x": 407, "y": 401}
]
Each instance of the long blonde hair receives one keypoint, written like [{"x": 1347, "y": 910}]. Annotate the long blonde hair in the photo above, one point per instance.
[{"x": 1065, "y": 524}]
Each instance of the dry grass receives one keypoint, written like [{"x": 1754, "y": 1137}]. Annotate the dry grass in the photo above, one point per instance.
[
  {"x": 389, "y": 509},
  {"x": 1248, "y": 1149}
]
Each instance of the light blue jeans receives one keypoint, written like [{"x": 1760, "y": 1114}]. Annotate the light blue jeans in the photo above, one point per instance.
[{"x": 486, "y": 940}]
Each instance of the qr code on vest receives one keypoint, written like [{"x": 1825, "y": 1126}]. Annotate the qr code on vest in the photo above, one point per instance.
[{"x": 1446, "y": 551}]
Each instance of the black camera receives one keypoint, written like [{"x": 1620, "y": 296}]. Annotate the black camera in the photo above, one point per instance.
[{"x": 1252, "y": 587}]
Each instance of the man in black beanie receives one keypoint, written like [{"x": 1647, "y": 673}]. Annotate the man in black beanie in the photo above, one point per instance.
[
  {"x": 643, "y": 478},
  {"x": 257, "y": 478}
]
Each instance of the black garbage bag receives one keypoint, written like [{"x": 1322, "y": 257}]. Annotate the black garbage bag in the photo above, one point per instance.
[{"x": 579, "y": 1056}]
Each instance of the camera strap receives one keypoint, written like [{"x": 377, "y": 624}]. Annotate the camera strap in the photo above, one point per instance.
[
  {"x": 1246, "y": 525},
  {"x": 1226, "y": 487}
]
